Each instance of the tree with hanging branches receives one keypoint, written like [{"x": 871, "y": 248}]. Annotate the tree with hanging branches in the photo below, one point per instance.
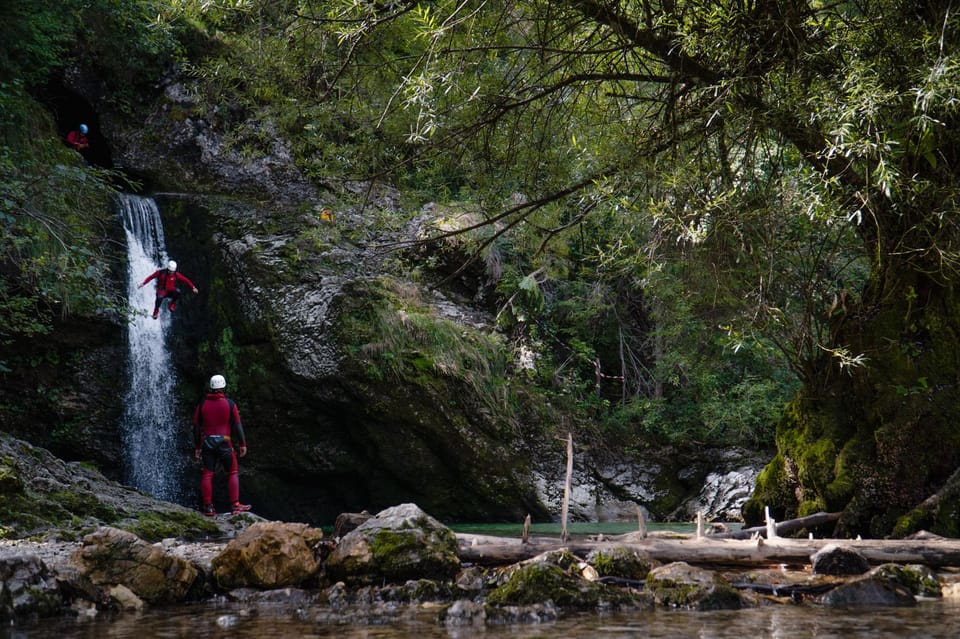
[{"x": 803, "y": 151}]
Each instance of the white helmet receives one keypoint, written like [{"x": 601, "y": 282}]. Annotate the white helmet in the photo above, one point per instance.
[
  {"x": 171, "y": 266},
  {"x": 217, "y": 382}
]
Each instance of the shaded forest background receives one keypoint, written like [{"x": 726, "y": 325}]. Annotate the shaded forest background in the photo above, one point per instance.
[{"x": 684, "y": 215}]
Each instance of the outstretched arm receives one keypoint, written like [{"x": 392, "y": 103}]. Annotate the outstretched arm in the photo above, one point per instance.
[
  {"x": 149, "y": 277},
  {"x": 186, "y": 280}
]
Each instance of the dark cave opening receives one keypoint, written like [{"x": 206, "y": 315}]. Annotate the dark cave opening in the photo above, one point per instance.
[{"x": 70, "y": 110}]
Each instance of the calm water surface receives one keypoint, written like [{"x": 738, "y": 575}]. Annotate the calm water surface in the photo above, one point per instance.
[{"x": 930, "y": 619}]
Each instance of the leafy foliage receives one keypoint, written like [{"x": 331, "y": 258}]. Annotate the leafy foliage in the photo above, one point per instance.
[{"x": 54, "y": 213}]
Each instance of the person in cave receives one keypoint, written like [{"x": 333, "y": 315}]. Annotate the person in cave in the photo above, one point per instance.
[
  {"x": 167, "y": 280},
  {"x": 217, "y": 439},
  {"x": 77, "y": 138}
]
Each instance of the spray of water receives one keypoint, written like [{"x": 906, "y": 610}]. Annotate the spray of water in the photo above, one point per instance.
[{"x": 151, "y": 431}]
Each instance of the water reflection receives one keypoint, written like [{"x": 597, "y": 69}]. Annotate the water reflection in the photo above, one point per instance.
[{"x": 930, "y": 619}]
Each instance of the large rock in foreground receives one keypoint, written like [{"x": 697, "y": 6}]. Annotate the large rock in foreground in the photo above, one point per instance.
[
  {"x": 27, "y": 588},
  {"x": 268, "y": 555},
  {"x": 111, "y": 557},
  {"x": 398, "y": 544}
]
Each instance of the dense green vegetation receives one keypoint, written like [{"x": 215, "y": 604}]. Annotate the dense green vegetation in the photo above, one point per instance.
[
  {"x": 590, "y": 281},
  {"x": 55, "y": 212},
  {"x": 683, "y": 212}
]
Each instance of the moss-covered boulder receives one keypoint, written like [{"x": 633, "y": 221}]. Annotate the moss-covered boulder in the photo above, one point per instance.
[
  {"x": 919, "y": 580},
  {"x": 621, "y": 561},
  {"x": 398, "y": 544},
  {"x": 541, "y": 582},
  {"x": 680, "y": 585}
]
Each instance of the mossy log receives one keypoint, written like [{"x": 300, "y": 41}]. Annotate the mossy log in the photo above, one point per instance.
[{"x": 498, "y": 551}]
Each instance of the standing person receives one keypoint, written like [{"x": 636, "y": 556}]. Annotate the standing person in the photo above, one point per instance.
[
  {"x": 216, "y": 426},
  {"x": 78, "y": 138},
  {"x": 167, "y": 286}
]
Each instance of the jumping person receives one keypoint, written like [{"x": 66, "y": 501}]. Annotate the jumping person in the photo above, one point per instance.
[
  {"x": 216, "y": 427},
  {"x": 167, "y": 286},
  {"x": 78, "y": 138}
]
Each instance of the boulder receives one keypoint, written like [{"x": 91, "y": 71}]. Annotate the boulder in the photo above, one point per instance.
[
  {"x": 27, "y": 588},
  {"x": 546, "y": 583},
  {"x": 110, "y": 556},
  {"x": 919, "y": 580},
  {"x": 345, "y": 522},
  {"x": 875, "y": 589},
  {"x": 681, "y": 585},
  {"x": 621, "y": 561},
  {"x": 398, "y": 544},
  {"x": 838, "y": 560},
  {"x": 268, "y": 555}
]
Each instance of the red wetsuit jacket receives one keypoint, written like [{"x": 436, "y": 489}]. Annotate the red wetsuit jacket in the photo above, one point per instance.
[
  {"x": 77, "y": 140},
  {"x": 217, "y": 415},
  {"x": 167, "y": 282}
]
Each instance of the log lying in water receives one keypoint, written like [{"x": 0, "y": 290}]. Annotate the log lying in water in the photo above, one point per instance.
[{"x": 498, "y": 551}]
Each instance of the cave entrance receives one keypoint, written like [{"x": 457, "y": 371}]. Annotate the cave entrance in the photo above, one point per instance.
[{"x": 70, "y": 110}]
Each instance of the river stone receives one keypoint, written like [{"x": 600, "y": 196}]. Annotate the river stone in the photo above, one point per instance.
[
  {"x": 464, "y": 612},
  {"x": 542, "y": 583},
  {"x": 125, "y": 599},
  {"x": 681, "y": 585},
  {"x": 110, "y": 556},
  {"x": 345, "y": 522},
  {"x": 868, "y": 591},
  {"x": 833, "y": 559},
  {"x": 27, "y": 588},
  {"x": 621, "y": 561},
  {"x": 918, "y": 579},
  {"x": 398, "y": 544},
  {"x": 268, "y": 555}
]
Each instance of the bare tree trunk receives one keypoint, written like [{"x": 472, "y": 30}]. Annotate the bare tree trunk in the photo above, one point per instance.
[{"x": 566, "y": 489}]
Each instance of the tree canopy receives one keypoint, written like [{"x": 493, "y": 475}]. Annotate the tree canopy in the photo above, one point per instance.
[{"x": 803, "y": 151}]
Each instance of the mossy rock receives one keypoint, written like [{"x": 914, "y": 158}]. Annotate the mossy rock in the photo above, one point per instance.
[
  {"x": 679, "y": 585},
  {"x": 398, "y": 544},
  {"x": 919, "y": 580},
  {"x": 541, "y": 582},
  {"x": 155, "y": 527},
  {"x": 10, "y": 481},
  {"x": 621, "y": 561}
]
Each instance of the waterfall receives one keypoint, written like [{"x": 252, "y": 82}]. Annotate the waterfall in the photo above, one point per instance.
[{"x": 151, "y": 431}]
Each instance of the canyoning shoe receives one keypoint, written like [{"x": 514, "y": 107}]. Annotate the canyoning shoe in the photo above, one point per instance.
[
  {"x": 209, "y": 510},
  {"x": 156, "y": 312},
  {"x": 173, "y": 306},
  {"x": 240, "y": 508}
]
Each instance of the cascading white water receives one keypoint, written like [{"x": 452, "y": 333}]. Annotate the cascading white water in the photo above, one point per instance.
[{"x": 151, "y": 430}]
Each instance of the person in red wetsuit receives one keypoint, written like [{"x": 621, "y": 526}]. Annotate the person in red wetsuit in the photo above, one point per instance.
[
  {"x": 217, "y": 434},
  {"x": 167, "y": 286},
  {"x": 78, "y": 138}
]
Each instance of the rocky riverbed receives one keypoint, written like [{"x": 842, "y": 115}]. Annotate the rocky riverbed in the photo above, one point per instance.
[
  {"x": 74, "y": 543},
  {"x": 402, "y": 561}
]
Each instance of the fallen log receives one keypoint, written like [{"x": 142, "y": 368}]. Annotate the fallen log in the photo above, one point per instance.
[
  {"x": 783, "y": 528},
  {"x": 935, "y": 553}
]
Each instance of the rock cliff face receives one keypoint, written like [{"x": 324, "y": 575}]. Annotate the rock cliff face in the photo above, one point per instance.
[{"x": 287, "y": 290}]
